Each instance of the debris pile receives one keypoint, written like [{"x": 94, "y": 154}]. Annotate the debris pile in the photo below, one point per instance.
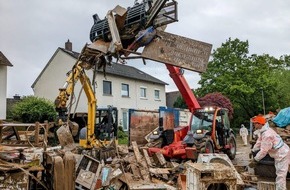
[{"x": 131, "y": 167}]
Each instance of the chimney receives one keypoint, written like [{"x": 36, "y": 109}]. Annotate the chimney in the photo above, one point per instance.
[
  {"x": 16, "y": 97},
  {"x": 68, "y": 45}
]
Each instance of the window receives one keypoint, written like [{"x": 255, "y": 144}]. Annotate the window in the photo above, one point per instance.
[
  {"x": 107, "y": 87},
  {"x": 125, "y": 90},
  {"x": 143, "y": 92},
  {"x": 125, "y": 121},
  {"x": 157, "y": 94}
]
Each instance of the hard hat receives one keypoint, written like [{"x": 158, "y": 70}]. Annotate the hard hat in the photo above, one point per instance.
[{"x": 259, "y": 119}]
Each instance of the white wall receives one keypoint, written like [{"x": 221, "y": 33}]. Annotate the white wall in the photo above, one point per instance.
[
  {"x": 3, "y": 91},
  {"x": 54, "y": 78}
]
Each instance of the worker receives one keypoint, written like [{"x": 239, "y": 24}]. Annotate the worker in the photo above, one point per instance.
[
  {"x": 106, "y": 118},
  {"x": 220, "y": 132},
  {"x": 244, "y": 134},
  {"x": 269, "y": 142}
]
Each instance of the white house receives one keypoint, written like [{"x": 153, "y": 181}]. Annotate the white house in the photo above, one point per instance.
[
  {"x": 4, "y": 63},
  {"x": 124, "y": 87}
]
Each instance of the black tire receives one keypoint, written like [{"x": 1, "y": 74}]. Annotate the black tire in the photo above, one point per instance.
[
  {"x": 233, "y": 150},
  {"x": 206, "y": 146}
]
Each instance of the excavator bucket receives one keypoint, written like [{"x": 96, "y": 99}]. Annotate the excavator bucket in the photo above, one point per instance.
[{"x": 65, "y": 137}]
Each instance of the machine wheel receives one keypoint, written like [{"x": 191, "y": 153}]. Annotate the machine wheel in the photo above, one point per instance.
[
  {"x": 206, "y": 146},
  {"x": 232, "y": 151}
]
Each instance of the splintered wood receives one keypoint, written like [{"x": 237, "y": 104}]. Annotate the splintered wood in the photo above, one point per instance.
[
  {"x": 263, "y": 185},
  {"x": 134, "y": 170}
]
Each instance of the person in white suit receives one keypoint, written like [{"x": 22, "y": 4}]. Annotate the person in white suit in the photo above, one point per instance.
[{"x": 244, "y": 134}]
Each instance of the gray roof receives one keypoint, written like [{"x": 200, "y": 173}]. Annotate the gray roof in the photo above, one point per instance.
[
  {"x": 123, "y": 70},
  {"x": 71, "y": 53},
  {"x": 131, "y": 72},
  {"x": 115, "y": 69},
  {"x": 4, "y": 60}
]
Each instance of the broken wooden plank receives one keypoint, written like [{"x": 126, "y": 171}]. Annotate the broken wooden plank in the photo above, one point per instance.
[
  {"x": 136, "y": 172},
  {"x": 265, "y": 185},
  {"x": 181, "y": 182},
  {"x": 144, "y": 171},
  {"x": 168, "y": 187},
  {"x": 15, "y": 131},
  {"x": 69, "y": 168},
  {"x": 158, "y": 171},
  {"x": 126, "y": 178},
  {"x": 147, "y": 158},
  {"x": 159, "y": 158},
  {"x": 136, "y": 151},
  {"x": 58, "y": 171},
  {"x": 36, "y": 133}
]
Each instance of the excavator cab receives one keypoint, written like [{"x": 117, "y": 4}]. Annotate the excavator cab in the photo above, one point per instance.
[
  {"x": 106, "y": 123},
  {"x": 106, "y": 127}
]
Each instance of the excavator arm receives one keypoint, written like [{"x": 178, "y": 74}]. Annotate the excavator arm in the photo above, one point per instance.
[{"x": 86, "y": 60}]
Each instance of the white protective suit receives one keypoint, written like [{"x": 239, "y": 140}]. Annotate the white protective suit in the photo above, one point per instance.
[
  {"x": 269, "y": 142},
  {"x": 244, "y": 134}
]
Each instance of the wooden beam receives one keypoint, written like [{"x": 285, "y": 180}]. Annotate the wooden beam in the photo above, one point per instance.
[
  {"x": 147, "y": 158},
  {"x": 36, "y": 135},
  {"x": 16, "y": 133},
  {"x": 158, "y": 156},
  {"x": 136, "y": 152},
  {"x": 159, "y": 170}
]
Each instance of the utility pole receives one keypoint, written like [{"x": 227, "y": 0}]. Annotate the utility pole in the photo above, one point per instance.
[{"x": 263, "y": 101}]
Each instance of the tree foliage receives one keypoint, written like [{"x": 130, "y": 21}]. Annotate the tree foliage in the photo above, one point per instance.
[
  {"x": 211, "y": 99},
  {"x": 244, "y": 79},
  {"x": 180, "y": 103},
  {"x": 216, "y": 99},
  {"x": 32, "y": 109}
]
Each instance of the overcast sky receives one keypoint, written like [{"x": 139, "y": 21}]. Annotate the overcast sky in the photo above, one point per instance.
[{"x": 32, "y": 30}]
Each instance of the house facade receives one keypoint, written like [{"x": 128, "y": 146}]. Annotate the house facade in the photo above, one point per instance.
[
  {"x": 124, "y": 87},
  {"x": 4, "y": 64}
]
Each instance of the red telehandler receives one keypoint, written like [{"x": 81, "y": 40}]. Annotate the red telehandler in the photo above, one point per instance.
[{"x": 208, "y": 130}]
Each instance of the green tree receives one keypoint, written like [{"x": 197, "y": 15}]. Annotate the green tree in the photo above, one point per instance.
[
  {"x": 281, "y": 98},
  {"x": 179, "y": 103},
  {"x": 32, "y": 109},
  {"x": 242, "y": 78}
]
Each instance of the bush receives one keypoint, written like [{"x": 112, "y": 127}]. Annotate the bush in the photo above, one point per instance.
[
  {"x": 32, "y": 109},
  {"x": 122, "y": 136}
]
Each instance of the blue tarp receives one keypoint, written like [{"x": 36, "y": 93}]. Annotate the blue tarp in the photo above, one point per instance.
[{"x": 282, "y": 119}]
